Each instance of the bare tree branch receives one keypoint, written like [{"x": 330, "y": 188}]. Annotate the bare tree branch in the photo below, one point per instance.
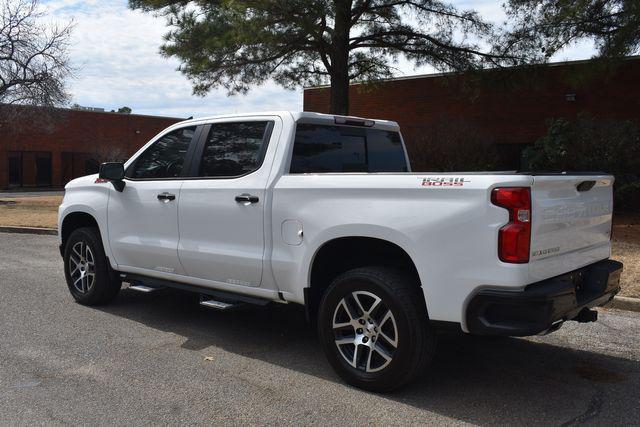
[{"x": 33, "y": 58}]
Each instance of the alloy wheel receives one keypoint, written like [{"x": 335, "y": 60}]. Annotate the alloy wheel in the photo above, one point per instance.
[
  {"x": 365, "y": 330},
  {"x": 82, "y": 267}
]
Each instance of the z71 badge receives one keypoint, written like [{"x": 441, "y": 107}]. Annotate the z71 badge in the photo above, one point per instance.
[{"x": 444, "y": 182}]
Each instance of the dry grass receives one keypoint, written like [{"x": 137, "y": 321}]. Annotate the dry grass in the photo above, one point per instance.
[
  {"x": 626, "y": 248},
  {"x": 629, "y": 255},
  {"x": 42, "y": 212}
]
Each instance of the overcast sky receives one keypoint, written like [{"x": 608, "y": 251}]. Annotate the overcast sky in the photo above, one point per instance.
[{"x": 115, "y": 52}]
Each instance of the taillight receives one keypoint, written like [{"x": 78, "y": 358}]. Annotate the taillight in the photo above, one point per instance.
[{"x": 515, "y": 237}]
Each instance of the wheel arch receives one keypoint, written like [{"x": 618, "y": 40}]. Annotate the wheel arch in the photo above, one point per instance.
[
  {"x": 344, "y": 253},
  {"x": 74, "y": 220}
]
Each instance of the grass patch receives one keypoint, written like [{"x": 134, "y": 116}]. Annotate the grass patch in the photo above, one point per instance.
[{"x": 39, "y": 211}]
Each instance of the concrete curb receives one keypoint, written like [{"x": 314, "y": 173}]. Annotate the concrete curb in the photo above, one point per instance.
[
  {"x": 625, "y": 303},
  {"x": 29, "y": 230}
]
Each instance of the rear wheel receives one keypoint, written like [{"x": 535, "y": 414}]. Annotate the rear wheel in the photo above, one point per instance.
[
  {"x": 374, "y": 328},
  {"x": 86, "y": 268}
]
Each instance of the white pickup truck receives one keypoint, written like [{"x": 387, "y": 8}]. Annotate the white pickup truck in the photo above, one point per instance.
[{"x": 324, "y": 211}]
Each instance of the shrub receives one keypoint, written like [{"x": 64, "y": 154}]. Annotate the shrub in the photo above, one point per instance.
[{"x": 588, "y": 144}]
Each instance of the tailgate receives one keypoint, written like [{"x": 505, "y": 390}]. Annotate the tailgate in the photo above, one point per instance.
[{"x": 571, "y": 223}]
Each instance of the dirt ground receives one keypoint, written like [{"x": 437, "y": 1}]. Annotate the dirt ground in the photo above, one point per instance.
[{"x": 42, "y": 212}]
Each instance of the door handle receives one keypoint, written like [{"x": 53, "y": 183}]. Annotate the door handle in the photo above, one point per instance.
[
  {"x": 166, "y": 197},
  {"x": 247, "y": 199}
]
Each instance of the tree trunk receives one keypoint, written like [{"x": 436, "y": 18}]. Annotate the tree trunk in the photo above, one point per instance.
[
  {"x": 340, "y": 59},
  {"x": 339, "y": 94}
]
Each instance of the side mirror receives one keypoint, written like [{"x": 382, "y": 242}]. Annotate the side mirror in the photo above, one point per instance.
[{"x": 114, "y": 172}]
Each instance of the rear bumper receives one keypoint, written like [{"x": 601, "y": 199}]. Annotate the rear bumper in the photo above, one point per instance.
[{"x": 539, "y": 306}]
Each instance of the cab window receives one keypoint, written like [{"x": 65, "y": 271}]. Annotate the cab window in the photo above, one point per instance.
[
  {"x": 330, "y": 149},
  {"x": 165, "y": 158},
  {"x": 234, "y": 149}
]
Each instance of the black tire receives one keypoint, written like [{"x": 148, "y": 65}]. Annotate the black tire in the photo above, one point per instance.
[
  {"x": 104, "y": 286},
  {"x": 415, "y": 339}
]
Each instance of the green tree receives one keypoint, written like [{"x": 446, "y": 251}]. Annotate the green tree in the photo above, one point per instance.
[
  {"x": 235, "y": 44},
  {"x": 122, "y": 110},
  {"x": 550, "y": 25}
]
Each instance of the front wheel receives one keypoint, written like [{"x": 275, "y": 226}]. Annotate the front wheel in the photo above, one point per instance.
[
  {"x": 374, "y": 328},
  {"x": 86, "y": 268}
]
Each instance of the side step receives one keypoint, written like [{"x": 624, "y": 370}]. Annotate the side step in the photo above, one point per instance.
[
  {"x": 142, "y": 288},
  {"x": 211, "y": 298},
  {"x": 219, "y": 305}
]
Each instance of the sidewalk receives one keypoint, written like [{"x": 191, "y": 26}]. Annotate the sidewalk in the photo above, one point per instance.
[{"x": 9, "y": 194}]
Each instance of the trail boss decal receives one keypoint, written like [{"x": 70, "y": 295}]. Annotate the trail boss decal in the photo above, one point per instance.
[{"x": 444, "y": 182}]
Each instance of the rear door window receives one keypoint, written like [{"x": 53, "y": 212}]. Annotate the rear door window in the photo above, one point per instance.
[
  {"x": 327, "y": 148},
  {"x": 234, "y": 149}
]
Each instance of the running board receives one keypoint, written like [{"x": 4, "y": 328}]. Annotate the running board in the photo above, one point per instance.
[
  {"x": 219, "y": 305},
  {"x": 143, "y": 288},
  {"x": 138, "y": 281}
]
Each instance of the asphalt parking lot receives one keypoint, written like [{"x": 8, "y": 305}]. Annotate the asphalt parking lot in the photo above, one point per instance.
[{"x": 161, "y": 359}]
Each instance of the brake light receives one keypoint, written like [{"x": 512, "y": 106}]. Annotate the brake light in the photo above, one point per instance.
[
  {"x": 353, "y": 121},
  {"x": 515, "y": 237}
]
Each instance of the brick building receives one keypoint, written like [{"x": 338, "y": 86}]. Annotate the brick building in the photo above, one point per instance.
[
  {"x": 508, "y": 109},
  {"x": 47, "y": 148}
]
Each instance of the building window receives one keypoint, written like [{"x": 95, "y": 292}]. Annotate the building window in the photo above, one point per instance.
[
  {"x": 15, "y": 170},
  {"x": 91, "y": 166},
  {"x": 43, "y": 169}
]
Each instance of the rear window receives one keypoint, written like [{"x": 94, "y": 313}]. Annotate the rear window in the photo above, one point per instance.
[{"x": 326, "y": 148}]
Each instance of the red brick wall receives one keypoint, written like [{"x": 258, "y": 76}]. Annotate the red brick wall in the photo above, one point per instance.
[
  {"x": 94, "y": 134},
  {"x": 515, "y": 115}
]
